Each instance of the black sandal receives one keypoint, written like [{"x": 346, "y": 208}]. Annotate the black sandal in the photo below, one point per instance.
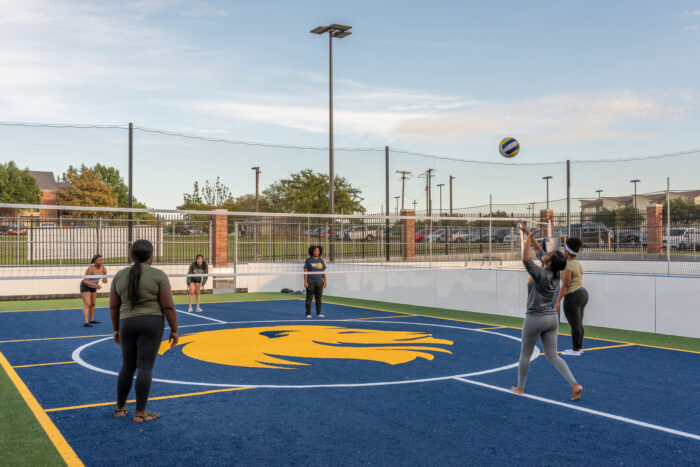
[
  {"x": 121, "y": 413},
  {"x": 87, "y": 325},
  {"x": 94, "y": 322},
  {"x": 153, "y": 415}
]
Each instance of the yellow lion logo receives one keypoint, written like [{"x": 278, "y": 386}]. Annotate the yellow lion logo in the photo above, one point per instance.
[{"x": 261, "y": 347}]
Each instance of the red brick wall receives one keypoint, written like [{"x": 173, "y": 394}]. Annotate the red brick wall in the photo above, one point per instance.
[
  {"x": 408, "y": 234},
  {"x": 48, "y": 197},
  {"x": 220, "y": 240},
  {"x": 655, "y": 228}
]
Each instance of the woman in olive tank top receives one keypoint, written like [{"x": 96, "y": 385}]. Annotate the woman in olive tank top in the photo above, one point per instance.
[{"x": 574, "y": 294}]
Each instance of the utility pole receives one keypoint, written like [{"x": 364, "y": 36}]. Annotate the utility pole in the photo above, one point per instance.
[
  {"x": 257, "y": 188},
  {"x": 397, "y": 204},
  {"x": 451, "y": 178},
  {"x": 414, "y": 205},
  {"x": 428, "y": 201},
  {"x": 441, "y": 185},
  {"x": 403, "y": 184}
]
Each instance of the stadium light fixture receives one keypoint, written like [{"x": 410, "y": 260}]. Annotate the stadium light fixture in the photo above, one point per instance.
[{"x": 338, "y": 31}]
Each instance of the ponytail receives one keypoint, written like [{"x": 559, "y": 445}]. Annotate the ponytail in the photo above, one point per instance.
[{"x": 141, "y": 251}]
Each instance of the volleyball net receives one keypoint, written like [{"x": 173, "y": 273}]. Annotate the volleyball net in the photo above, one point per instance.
[{"x": 58, "y": 242}]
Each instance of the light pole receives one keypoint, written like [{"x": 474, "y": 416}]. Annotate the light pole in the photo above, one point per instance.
[
  {"x": 441, "y": 185},
  {"x": 397, "y": 204},
  {"x": 403, "y": 184},
  {"x": 338, "y": 31},
  {"x": 547, "y": 179},
  {"x": 635, "y": 181},
  {"x": 414, "y": 205}
]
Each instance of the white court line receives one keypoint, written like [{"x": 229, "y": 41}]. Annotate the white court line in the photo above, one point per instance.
[
  {"x": 200, "y": 316},
  {"x": 584, "y": 409}
]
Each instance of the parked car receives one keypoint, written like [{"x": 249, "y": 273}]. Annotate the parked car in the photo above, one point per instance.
[
  {"x": 362, "y": 233},
  {"x": 512, "y": 238},
  {"x": 595, "y": 234},
  {"x": 421, "y": 234},
  {"x": 497, "y": 235},
  {"x": 683, "y": 238},
  {"x": 81, "y": 225},
  {"x": 47, "y": 224},
  {"x": 458, "y": 235},
  {"x": 3, "y": 230},
  {"x": 16, "y": 228},
  {"x": 629, "y": 236},
  {"x": 436, "y": 236},
  {"x": 187, "y": 230}
]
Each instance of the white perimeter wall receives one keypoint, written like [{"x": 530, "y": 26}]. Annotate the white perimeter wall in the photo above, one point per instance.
[
  {"x": 661, "y": 304},
  {"x": 664, "y": 305}
]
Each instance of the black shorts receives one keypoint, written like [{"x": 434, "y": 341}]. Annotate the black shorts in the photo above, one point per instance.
[{"x": 84, "y": 288}]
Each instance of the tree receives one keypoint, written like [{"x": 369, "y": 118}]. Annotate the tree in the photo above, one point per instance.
[
  {"x": 111, "y": 177},
  {"x": 682, "y": 212},
  {"x": 86, "y": 189},
  {"x": 605, "y": 216},
  {"x": 307, "y": 192},
  {"x": 17, "y": 186},
  {"x": 246, "y": 203},
  {"x": 214, "y": 195}
]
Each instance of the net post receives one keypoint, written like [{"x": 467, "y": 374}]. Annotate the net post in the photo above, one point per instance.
[
  {"x": 131, "y": 188},
  {"x": 386, "y": 232},
  {"x": 235, "y": 256},
  {"x": 408, "y": 234},
  {"x": 568, "y": 198},
  {"x": 668, "y": 224}
]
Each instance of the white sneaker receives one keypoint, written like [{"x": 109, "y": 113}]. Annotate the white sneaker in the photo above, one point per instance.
[
  {"x": 571, "y": 353},
  {"x": 199, "y": 310},
  {"x": 308, "y": 316},
  {"x": 320, "y": 315},
  {"x": 189, "y": 310}
]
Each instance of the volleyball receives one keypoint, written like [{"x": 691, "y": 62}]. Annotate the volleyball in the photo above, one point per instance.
[{"x": 509, "y": 147}]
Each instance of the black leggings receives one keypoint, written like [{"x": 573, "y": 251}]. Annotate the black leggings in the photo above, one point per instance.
[
  {"x": 574, "y": 304},
  {"x": 140, "y": 338},
  {"x": 314, "y": 290}
]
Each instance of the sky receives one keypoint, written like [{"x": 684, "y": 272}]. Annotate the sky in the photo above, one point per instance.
[{"x": 584, "y": 81}]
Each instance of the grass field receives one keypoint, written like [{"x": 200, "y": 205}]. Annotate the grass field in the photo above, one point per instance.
[{"x": 24, "y": 442}]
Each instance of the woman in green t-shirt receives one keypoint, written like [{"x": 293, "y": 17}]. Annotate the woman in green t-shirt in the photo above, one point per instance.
[
  {"x": 195, "y": 284},
  {"x": 139, "y": 298}
]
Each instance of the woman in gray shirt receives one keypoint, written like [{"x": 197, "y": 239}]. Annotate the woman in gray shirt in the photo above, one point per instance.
[{"x": 541, "y": 319}]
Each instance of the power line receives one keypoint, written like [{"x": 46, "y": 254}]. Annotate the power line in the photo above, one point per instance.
[{"x": 356, "y": 149}]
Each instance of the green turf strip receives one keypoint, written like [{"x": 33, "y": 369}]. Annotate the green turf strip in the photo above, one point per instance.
[{"x": 22, "y": 440}]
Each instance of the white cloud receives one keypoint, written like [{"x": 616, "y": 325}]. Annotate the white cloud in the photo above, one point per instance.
[
  {"x": 552, "y": 119},
  {"x": 417, "y": 116}
]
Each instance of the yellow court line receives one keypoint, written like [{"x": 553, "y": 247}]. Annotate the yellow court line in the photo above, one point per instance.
[
  {"x": 601, "y": 348},
  {"x": 62, "y": 446},
  {"x": 378, "y": 317},
  {"x": 191, "y": 394},
  {"x": 55, "y": 338},
  {"x": 42, "y": 364}
]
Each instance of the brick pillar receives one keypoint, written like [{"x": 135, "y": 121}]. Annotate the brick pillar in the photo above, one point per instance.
[
  {"x": 655, "y": 228},
  {"x": 408, "y": 234},
  {"x": 546, "y": 215},
  {"x": 220, "y": 239}
]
